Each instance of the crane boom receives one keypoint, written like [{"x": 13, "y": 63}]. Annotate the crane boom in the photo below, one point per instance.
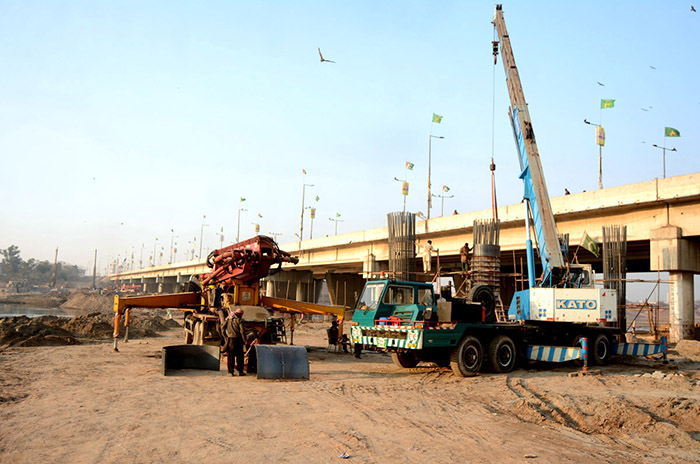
[{"x": 535, "y": 192}]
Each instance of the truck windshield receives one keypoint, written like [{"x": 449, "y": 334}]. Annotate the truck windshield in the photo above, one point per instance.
[
  {"x": 399, "y": 295},
  {"x": 370, "y": 296}
]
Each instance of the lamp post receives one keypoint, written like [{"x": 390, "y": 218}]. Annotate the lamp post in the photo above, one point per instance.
[
  {"x": 155, "y": 244},
  {"x": 336, "y": 220},
  {"x": 201, "y": 235},
  {"x": 238, "y": 227},
  {"x": 172, "y": 239},
  {"x": 430, "y": 158},
  {"x": 664, "y": 150},
  {"x": 141, "y": 260},
  {"x": 301, "y": 227},
  {"x": 442, "y": 202},
  {"x": 600, "y": 140},
  {"x": 221, "y": 237}
]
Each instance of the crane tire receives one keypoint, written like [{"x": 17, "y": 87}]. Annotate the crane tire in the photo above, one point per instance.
[
  {"x": 600, "y": 351},
  {"x": 502, "y": 354},
  {"x": 405, "y": 358},
  {"x": 467, "y": 357}
]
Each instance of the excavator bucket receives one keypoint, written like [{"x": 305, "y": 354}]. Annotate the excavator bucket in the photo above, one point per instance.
[
  {"x": 282, "y": 362},
  {"x": 177, "y": 357}
]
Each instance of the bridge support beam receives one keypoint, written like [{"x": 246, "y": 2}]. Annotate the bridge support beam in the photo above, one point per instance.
[
  {"x": 292, "y": 285},
  {"x": 680, "y": 257}
]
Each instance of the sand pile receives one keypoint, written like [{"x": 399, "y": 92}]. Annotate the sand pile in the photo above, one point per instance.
[
  {"x": 52, "y": 330},
  {"x": 26, "y": 331},
  {"x": 689, "y": 349},
  {"x": 92, "y": 302}
]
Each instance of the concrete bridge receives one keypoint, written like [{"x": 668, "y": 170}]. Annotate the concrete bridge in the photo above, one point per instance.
[{"x": 663, "y": 233}]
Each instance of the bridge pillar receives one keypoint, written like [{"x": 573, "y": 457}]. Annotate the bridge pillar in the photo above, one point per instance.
[
  {"x": 292, "y": 285},
  {"x": 344, "y": 289},
  {"x": 680, "y": 257}
]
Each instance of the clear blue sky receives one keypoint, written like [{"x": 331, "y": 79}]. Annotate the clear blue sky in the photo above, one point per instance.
[{"x": 120, "y": 121}]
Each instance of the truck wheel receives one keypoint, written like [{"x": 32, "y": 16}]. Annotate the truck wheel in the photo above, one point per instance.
[
  {"x": 600, "y": 352},
  {"x": 502, "y": 354},
  {"x": 484, "y": 294},
  {"x": 405, "y": 359},
  {"x": 466, "y": 358}
]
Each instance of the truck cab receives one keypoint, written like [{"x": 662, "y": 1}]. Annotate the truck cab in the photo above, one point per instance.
[{"x": 394, "y": 302}]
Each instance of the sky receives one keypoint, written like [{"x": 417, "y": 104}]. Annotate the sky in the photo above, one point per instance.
[{"x": 123, "y": 122}]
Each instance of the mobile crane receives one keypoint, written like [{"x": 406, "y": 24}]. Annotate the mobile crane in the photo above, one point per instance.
[{"x": 559, "y": 311}]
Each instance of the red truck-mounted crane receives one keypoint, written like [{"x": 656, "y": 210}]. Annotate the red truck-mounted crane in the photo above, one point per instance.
[{"x": 234, "y": 282}]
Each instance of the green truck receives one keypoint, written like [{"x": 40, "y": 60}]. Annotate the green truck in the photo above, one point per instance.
[{"x": 413, "y": 324}]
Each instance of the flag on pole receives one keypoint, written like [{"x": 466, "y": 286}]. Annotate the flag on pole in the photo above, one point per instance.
[
  {"x": 242, "y": 199},
  {"x": 589, "y": 244},
  {"x": 337, "y": 214},
  {"x": 671, "y": 132},
  {"x": 409, "y": 165},
  {"x": 304, "y": 171},
  {"x": 437, "y": 118},
  {"x": 607, "y": 104},
  {"x": 445, "y": 188},
  {"x": 259, "y": 215},
  {"x": 317, "y": 198}
]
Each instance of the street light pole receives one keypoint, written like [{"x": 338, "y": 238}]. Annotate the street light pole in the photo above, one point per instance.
[
  {"x": 155, "y": 244},
  {"x": 664, "y": 150},
  {"x": 430, "y": 158},
  {"x": 201, "y": 236},
  {"x": 238, "y": 228},
  {"x": 336, "y": 220},
  {"x": 172, "y": 239},
  {"x": 600, "y": 152},
  {"x": 442, "y": 202},
  {"x": 301, "y": 227}
]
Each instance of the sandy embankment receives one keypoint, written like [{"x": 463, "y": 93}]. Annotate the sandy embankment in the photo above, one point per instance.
[{"x": 87, "y": 404}]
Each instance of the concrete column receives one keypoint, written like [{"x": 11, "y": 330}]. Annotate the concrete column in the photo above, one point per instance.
[
  {"x": 670, "y": 251},
  {"x": 269, "y": 288},
  {"x": 681, "y": 301}
]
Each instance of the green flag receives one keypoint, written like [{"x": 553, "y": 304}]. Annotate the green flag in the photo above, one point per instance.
[
  {"x": 671, "y": 132},
  {"x": 409, "y": 165},
  {"x": 337, "y": 214},
  {"x": 589, "y": 244},
  {"x": 242, "y": 199},
  {"x": 607, "y": 104},
  {"x": 317, "y": 198},
  {"x": 445, "y": 188},
  {"x": 437, "y": 118}
]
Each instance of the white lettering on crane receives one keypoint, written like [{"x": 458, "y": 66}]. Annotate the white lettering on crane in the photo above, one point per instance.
[{"x": 576, "y": 304}]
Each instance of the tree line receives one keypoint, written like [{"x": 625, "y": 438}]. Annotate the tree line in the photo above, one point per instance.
[{"x": 13, "y": 267}]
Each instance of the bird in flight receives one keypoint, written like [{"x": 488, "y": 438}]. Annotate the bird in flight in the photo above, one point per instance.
[
  {"x": 322, "y": 58},
  {"x": 692, "y": 8},
  {"x": 652, "y": 67},
  {"x": 644, "y": 109},
  {"x": 601, "y": 84}
]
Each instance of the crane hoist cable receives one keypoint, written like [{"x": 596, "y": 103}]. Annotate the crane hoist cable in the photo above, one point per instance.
[{"x": 492, "y": 167}]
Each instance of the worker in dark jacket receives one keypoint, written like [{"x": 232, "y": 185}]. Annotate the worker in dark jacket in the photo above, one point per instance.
[{"x": 234, "y": 330}]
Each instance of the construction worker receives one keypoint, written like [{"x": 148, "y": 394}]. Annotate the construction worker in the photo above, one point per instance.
[
  {"x": 234, "y": 330},
  {"x": 427, "y": 256},
  {"x": 464, "y": 256}
]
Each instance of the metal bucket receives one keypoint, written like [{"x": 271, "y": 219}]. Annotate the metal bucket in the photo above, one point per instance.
[
  {"x": 282, "y": 362},
  {"x": 177, "y": 357}
]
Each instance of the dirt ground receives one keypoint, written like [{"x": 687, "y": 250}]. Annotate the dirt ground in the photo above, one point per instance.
[{"x": 87, "y": 404}]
